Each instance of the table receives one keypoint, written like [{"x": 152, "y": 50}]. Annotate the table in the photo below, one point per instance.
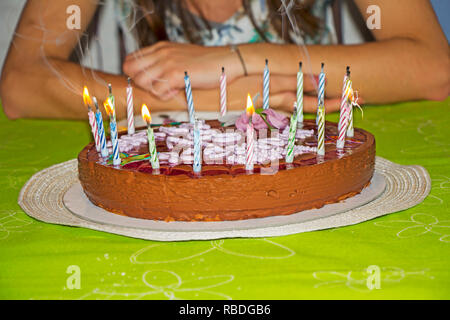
[{"x": 408, "y": 250}]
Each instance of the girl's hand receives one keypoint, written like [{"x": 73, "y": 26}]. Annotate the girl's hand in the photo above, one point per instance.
[{"x": 160, "y": 68}]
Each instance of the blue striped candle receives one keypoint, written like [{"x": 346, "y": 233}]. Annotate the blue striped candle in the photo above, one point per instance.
[
  {"x": 113, "y": 131},
  {"x": 115, "y": 141},
  {"x": 101, "y": 130},
  {"x": 197, "y": 166},
  {"x": 266, "y": 83},
  {"x": 321, "y": 91},
  {"x": 190, "y": 101}
]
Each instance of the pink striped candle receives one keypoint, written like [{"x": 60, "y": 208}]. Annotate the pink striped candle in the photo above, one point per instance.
[
  {"x": 223, "y": 93},
  {"x": 250, "y": 152},
  {"x": 343, "y": 99},
  {"x": 92, "y": 122},
  {"x": 345, "y": 115},
  {"x": 130, "y": 108},
  {"x": 94, "y": 129}
]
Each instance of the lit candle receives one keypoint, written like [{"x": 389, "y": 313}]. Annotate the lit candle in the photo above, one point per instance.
[
  {"x": 92, "y": 122},
  {"x": 350, "y": 130},
  {"x": 197, "y": 166},
  {"x": 250, "y": 152},
  {"x": 109, "y": 107},
  {"x": 266, "y": 83},
  {"x": 130, "y": 108},
  {"x": 292, "y": 133},
  {"x": 299, "y": 108},
  {"x": 321, "y": 92},
  {"x": 101, "y": 130},
  {"x": 154, "y": 161},
  {"x": 189, "y": 99},
  {"x": 111, "y": 98},
  {"x": 223, "y": 93}
]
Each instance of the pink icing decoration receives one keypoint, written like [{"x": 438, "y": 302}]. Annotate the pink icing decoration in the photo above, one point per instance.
[{"x": 276, "y": 120}]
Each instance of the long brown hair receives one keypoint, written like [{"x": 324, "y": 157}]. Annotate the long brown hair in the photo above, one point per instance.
[{"x": 150, "y": 25}]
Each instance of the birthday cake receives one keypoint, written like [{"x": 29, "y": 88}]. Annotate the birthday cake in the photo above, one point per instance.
[{"x": 224, "y": 189}]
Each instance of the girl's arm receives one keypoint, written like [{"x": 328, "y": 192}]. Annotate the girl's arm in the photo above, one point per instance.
[
  {"x": 39, "y": 81},
  {"x": 409, "y": 60}
]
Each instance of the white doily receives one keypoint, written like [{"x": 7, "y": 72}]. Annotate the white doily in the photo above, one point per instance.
[{"x": 42, "y": 198}]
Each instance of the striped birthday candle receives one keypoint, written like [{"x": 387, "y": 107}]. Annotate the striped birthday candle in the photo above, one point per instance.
[
  {"x": 223, "y": 93},
  {"x": 154, "y": 160},
  {"x": 321, "y": 132},
  {"x": 343, "y": 99},
  {"x": 93, "y": 124},
  {"x": 299, "y": 107},
  {"x": 111, "y": 97},
  {"x": 266, "y": 85},
  {"x": 94, "y": 129},
  {"x": 101, "y": 130},
  {"x": 250, "y": 150},
  {"x": 344, "y": 117},
  {"x": 321, "y": 92},
  {"x": 197, "y": 166},
  {"x": 109, "y": 107},
  {"x": 130, "y": 108},
  {"x": 350, "y": 129},
  {"x": 292, "y": 133},
  {"x": 190, "y": 101}
]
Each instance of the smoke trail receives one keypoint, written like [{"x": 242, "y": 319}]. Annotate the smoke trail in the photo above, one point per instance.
[{"x": 286, "y": 10}]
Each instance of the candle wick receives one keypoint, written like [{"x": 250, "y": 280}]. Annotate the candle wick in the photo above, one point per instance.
[{"x": 95, "y": 102}]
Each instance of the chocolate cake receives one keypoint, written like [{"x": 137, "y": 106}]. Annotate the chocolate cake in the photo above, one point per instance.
[{"x": 225, "y": 190}]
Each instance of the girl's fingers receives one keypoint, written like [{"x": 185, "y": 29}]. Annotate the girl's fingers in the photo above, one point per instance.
[
  {"x": 147, "y": 50},
  {"x": 147, "y": 78},
  {"x": 138, "y": 62}
]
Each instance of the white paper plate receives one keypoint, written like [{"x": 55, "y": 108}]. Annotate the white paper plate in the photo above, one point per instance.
[{"x": 77, "y": 202}]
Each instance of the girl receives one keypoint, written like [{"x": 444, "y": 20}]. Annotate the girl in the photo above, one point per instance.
[{"x": 408, "y": 59}]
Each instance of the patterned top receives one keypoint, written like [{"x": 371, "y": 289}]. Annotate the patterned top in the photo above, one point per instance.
[{"x": 239, "y": 29}]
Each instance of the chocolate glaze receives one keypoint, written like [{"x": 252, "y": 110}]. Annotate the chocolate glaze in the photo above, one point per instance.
[{"x": 228, "y": 192}]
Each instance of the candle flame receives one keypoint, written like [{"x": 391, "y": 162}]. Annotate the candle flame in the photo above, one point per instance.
[
  {"x": 146, "y": 114},
  {"x": 250, "y": 110},
  {"x": 108, "y": 107},
  {"x": 86, "y": 98}
]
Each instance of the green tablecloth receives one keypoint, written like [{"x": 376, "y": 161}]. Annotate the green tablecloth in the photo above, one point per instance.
[{"x": 411, "y": 248}]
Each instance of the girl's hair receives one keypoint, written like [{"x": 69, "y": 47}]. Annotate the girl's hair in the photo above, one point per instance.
[{"x": 150, "y": 25}]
